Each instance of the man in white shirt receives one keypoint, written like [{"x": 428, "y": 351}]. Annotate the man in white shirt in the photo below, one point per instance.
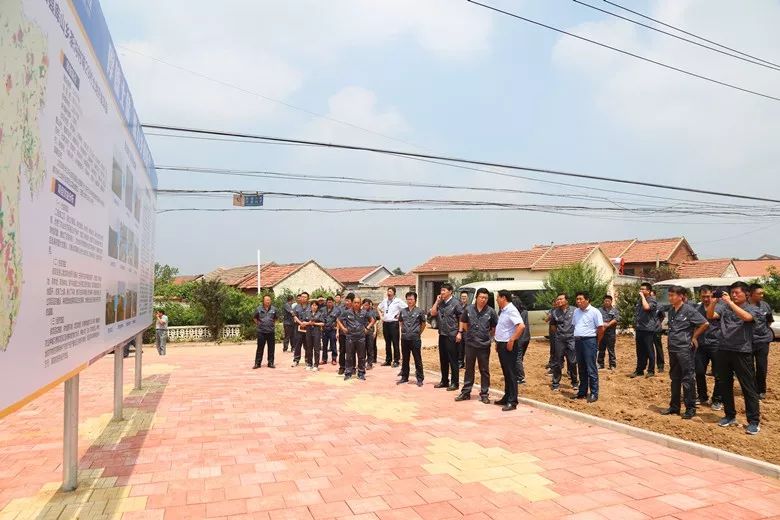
[
  {"x": 389, "y": 310},
  {"x": 588, "y": 331},
  {"x": 508, "y": 330}
]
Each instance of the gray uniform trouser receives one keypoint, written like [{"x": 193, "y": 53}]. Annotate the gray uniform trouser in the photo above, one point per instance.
[
  {"x": 161, "y": 336},
  {"x": 564, "y": 348}
]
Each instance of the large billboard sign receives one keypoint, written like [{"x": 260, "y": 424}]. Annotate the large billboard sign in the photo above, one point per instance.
[{"x": 76, "y": 197}]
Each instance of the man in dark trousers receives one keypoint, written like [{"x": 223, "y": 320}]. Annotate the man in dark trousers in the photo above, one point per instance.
[
  {"x": 463, "y": 299},
  {"x": 345, "y": 306},
  {"x": 707, "y": 350},
  {"x": 561, "y": 319},
  {"x": 658, "y": 343},
  {"x": 762, "y": 337},
  {"x": 523, "y": 341},
  {"x": 588, "y": 332},
  {"x": 412, "y": 320},
  {"x": 300, "y": 316},
  {"x": 265, "y": 318},
  {"x": 389, "y": 308},
  {"x": 735, "y": 354},
  {"x": 477, "y": 326},
  {"x": 509, "y": 328},
  {"x": 610, "y": 316},
  {"x": 329, "y": 317},
  {"x": 645, "y": 324},
  {"x": 288, "y": 323},
  {"x": 355, "y": 323},
  {"x": 371, "y": 353},
  {"x": 686, "y": 324},
  {"x": 448, "y": 311}
]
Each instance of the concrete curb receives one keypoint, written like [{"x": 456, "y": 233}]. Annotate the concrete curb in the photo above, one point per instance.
[{"x": 757, "y": 466}]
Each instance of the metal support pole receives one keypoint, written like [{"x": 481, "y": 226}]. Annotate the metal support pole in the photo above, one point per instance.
[
  {"x": 118, "y": 361},
  {"x": 139, "y": 352},
  {"x": 70, "y": 446}
]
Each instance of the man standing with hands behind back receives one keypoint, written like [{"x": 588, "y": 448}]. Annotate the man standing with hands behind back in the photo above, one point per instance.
[
  {"x": 448, "y": 311},
  {"x": 388, "y": 311},
  {"x": 509, "y": 328}
]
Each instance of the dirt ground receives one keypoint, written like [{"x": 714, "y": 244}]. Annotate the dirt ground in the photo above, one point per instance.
[{"x": 638, "y": 402}]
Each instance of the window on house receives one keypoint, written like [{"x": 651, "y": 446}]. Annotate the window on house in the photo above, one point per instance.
[{"x": 629, "y": 271}]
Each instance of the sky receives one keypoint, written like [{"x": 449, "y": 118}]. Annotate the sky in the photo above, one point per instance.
[{"x": 446, "y": 77}]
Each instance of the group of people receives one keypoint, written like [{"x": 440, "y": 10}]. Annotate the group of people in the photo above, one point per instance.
[
  {"x": 731, "y": 330},
  {"x": 728, "y": 329}
]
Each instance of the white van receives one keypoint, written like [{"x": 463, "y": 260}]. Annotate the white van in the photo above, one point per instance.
[
  {"x": 694, "y": 284},
  {"x": 524, "y": 290}
]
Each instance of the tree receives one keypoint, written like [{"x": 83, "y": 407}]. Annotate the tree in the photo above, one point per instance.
[
  {"x": 627, "y": 298},
  {"x": 211, "y": 296},
  {"x": 398, "y": 271},
  {"x": 164, "y": 274},
  {"x": 772, "y": 288},
  {"x": 473, "y": 277},
  {"x": 571, "y": 280}
]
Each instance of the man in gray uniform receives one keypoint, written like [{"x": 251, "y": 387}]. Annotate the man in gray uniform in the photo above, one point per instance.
[
  {"x": 464, "y": 301},
  {"x": 523, "y": 341},
  {"x": 412, "y": 320},
  {"x": 610, "y": 315},
  {"x": 478, "y": 325},
  {"x": 265, "y": 318},
  {"x": 707, "y": 350},
  {"x": 288, "y": 323},
  {"x": 561, "y": 319},
  {"x": 645, "y": 325},
  {"x": 658, "y": 343},
  {"x": 448, "y": 310},
  {"x": 300, "y": 317},
  {"x": 355, "y": 323},
  {"x": 686, "y": 324},
  {"x": 341, "y": 309},
  {"x": 735, "y": 354},
  {"x": 762, "y": 337}
]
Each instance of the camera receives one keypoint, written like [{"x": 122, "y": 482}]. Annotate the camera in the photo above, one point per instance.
[{"x": 717, "y": 293}]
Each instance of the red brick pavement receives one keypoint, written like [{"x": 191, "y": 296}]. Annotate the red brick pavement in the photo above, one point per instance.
[{"x": 208, "y": 437}]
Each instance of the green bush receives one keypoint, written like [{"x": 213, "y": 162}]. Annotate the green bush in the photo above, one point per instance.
[
  {"x": 627, "y": 298},
  {"x": 570, "y": 280}
]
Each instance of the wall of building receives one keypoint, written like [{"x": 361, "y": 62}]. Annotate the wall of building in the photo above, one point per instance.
[
  {"x": 682, "y": 254},
  {"x": 730, "y": 271},
  {"x": 308, "y": 278},
  {"x": 377, "y": 277}
]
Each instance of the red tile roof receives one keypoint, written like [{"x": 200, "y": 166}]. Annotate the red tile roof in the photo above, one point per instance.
[
  {"x": 644, "y": 251},
  {"x": 755, "y": 267},
  {"x": 611, "y": 248},
  {"x": 403, "y": 280},
  {"x": 270, "y": 275},
  {"x": 560, "y": 256},
  {"x": 482, "y": 261},
  {"x": 351, "y": 275},
  {"x": 182, "y": 279},
  {"x": 232, "y": 275},
  {"x": 703, "y": 268}
]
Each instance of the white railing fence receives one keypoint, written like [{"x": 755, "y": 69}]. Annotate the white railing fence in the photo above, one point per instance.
[{"x": 201, "y": 333}]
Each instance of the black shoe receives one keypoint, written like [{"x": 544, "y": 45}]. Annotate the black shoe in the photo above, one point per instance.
[
  {"x": 347, "y": 377},
  {"x": 271, "y": 365},
  {"x": 670, "y": 411},
  {"x": 660, "y": 369},
  {"x": 461, "y": 365},
  {"x": 690, "y": 413},
  {"x": 441, "y": 385},
  {"x": 386, "y": 364},
  {"x": 508, "y": 407},
  {"x": 400, "y": 374},
  {"x": 578, "y": 397},
  {"x": 761, "y": 396},
  {"x": 362, "y": 377},
  {"x": 285, "y": 349},
  {"x": 369, "y": 366},
  {"x": 402, "y": 381},
  {"x": 257, "y": 365},
  {"x": 601, "y": 367},
  {"x": 521, "y": 381},
  {"x": 452, "y": 388},
  {"x": 419, "y": 382},
  {"x": 485, "y": 399},
  {"x": 500, "y": 402},
  {"x": 341, "y": 371},
  {"x": 650, "y": 374},
  {"x": 575, "y": 386},
  {"x": 463, "y": 397},
  {"x": 636, "y": 374},
  {"x": 396, "y": 364},
  {"x": 593, "y": 398}
]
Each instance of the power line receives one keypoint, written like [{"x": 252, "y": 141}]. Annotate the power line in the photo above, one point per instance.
[
  {"x": 413, "y": 155},
  {"x": 681, "y": 38},
  {"x": 627, "y": 53},
  {"x": 689, "y": 33},
  {"x": 268, "y": 98}
]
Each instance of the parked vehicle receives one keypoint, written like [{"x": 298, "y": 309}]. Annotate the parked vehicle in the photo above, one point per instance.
[
  {"x": 694, "y": 284},
  {"x": 525, "y": 291}
]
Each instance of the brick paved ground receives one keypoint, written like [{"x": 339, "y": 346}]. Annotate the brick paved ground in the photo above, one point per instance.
[{"x": 209, "y": 437}]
